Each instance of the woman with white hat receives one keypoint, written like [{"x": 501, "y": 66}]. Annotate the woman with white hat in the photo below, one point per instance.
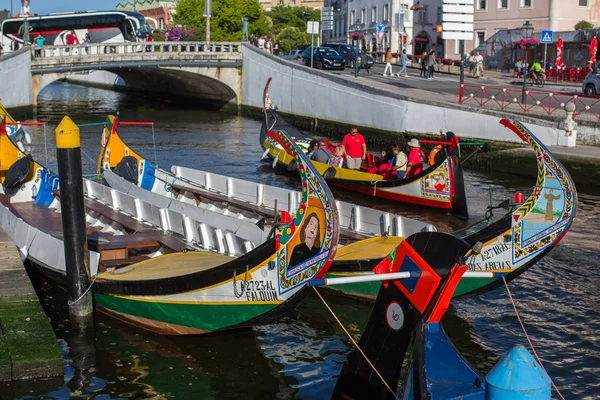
[{"x": 416, "y": 158}]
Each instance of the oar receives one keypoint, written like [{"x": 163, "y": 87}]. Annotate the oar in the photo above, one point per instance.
[{"x": 387, "y": 277}]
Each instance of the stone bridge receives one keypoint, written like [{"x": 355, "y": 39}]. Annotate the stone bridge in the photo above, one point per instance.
[{"x": 204, "y": 74}]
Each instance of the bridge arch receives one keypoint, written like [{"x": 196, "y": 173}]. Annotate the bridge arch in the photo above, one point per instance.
[{"x": 207, "y": 75}]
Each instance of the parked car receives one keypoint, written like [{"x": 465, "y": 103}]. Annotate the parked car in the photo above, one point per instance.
[
  {"x": 324, "y": 58},
  {"x": 350, "y": 53},
  {"x": 295, "y": 54},
  {"x": 591, "y": 84}
]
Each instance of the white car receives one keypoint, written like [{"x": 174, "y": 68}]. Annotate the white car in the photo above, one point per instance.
[{"x": 292, "y": 54}]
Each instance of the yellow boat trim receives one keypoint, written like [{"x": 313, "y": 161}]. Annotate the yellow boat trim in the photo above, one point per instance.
[{"x": 207, "y": 303}]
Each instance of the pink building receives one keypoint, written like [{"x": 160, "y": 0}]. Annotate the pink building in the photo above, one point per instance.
[{"x": 492, "y": 16}]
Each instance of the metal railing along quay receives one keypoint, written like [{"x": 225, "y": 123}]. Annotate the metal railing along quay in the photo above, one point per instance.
[
  {"x": 536, "y": 101},
  {"x": 135, "y": 48}
]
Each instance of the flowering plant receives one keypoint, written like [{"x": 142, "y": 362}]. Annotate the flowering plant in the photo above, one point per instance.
[
  {"x": 526, "y": 42},
  {"x": 178, "y": 34},
  {"x": 354, "y": 35}
]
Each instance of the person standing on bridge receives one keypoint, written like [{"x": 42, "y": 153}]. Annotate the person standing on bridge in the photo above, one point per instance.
[
  {"x": 355, "y": 147},
  {"x": 388, "y": 62},
  {"x": 39, "y": 43}
]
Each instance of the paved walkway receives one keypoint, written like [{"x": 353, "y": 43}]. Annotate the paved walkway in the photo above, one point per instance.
[
  {"x": 445, "y": 88},
  {"x": 28, "y": 347}
]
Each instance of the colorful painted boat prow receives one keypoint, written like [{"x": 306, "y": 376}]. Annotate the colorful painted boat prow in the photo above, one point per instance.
[
  {"x": 440, "y": 185},
  {"x": 406, "y": 309},
  {"x": 536, "y": 225}
]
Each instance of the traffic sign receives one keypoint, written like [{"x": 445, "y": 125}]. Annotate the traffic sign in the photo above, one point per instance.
[
  {"x": 380, "y": 28},
  {"x": 457, "y": 35},
  {"x": 546, "y": 37},
  {"x": 312, "y": 27}
]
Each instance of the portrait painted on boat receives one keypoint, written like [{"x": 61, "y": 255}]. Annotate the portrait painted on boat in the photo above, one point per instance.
[
  {"x": 310, "y": 240},
  {"x": 436, "y": 181},
  {"x": 548, "y": 209}
]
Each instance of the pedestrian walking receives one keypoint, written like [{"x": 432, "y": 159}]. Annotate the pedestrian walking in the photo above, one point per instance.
[
  {"x": 404, "y": 59},
  {"x": 430, "y": 64},
  {"x": 517, "y": 69},
  {"x": 261, "y": 43},
  {"x": 478, "y": 72},
  {"x": 276, "y": 48},
  {"x": 388, "y": 62},
  {"x": 424, "y": 64},
  {"x": 363, "y": 62},
  {"x": 269, "y": 46}
]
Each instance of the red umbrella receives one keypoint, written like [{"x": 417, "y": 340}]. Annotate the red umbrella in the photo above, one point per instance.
[
  {"x": 593, "y": 50},
  {"x": 559, "y": 53}
]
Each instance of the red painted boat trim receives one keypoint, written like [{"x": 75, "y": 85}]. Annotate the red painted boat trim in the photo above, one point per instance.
[{"x": 399, "y": 197}]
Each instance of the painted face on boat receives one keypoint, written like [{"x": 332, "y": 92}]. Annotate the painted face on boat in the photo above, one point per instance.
[{"x": 312, "y": 228}]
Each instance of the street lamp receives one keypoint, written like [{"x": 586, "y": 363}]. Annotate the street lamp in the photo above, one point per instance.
[{"x": 526, "y": 32}]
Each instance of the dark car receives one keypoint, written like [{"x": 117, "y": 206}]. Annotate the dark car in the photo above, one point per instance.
[
  {"x": 324, "y": 58},
  {"x": 350, "y": 53}
]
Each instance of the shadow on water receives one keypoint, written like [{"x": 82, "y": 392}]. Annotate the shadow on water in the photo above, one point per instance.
[{"x": 300, "y": 356}]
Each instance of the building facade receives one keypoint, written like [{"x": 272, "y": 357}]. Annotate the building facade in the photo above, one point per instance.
[
  {"x": 492, "y": 16},
  {"x": 357, "y": 22},
  {"x": 268, "y": 5},
  {"x": 159, "y": 13}
]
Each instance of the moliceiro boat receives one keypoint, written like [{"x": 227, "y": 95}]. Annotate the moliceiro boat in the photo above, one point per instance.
[
  {"x": 364, "y": 230},
  {"x": 440, "y": 185},
  {"x": 142, "y": 269},
  {"x": 511, "y": 245}
]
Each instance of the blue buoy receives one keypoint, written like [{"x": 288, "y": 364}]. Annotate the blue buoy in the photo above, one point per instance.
[{"x": 517, "y": 376}]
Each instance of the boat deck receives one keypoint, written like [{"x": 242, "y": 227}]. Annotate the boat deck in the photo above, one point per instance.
[
  {"x": 168, "y": 266},
  {"x": 372, "y": 248}
]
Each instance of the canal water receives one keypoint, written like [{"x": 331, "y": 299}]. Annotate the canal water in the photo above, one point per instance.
[{"x": 300, "y": 356}]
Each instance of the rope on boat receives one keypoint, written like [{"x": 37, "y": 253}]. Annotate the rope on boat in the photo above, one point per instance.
[
  {"x": 244, "y": 284},
  {"x": 355, "y": 344},
  {"x": 529, "y": 340},
  {"x": 70, "y": 303},
  {"x": 374, "y": 183}
]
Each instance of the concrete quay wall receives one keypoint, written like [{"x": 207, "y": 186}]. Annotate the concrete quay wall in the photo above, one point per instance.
[
  {"x": 15, "y": 79},
  {"x": 312, "y": 94}
]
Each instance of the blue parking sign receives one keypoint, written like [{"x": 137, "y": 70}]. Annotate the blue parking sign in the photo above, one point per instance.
[
  {"x": 380, "y": 27},
  {"x": 546, "y": 37}
]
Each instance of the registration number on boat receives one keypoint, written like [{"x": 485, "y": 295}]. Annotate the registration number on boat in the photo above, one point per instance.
[{"x": 261, "y": 290}]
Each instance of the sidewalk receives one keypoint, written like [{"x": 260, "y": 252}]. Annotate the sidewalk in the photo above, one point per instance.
[{"x": 28, "y": 347}]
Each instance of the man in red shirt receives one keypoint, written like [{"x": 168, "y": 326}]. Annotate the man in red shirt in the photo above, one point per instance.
[
  {"x": 416, "y": 158},
  {"x": 355, "y": 147}
]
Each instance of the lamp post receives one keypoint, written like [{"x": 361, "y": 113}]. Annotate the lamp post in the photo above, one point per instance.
[
  {"x": 312, "y": 36},
  {"x": 526, "y": 32}
]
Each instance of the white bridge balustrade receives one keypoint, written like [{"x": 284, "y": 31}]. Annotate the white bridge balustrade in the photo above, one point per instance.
[
  {"x": 204, "y": 73},
  {"x": 140, "y": 49}
]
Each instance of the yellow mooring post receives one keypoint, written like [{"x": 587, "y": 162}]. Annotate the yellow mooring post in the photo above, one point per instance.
[{"x": 68, "y": 153}]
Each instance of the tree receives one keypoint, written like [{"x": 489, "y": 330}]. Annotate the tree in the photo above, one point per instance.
[
  {"x": 297, "y": 17},
  {"x": 226, "y": 20},
  {"x": 583, "y": 24},
  {"x": 292, "y": 38}
]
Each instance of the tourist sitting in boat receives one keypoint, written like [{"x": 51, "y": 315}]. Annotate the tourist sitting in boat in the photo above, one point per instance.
[
  {"x": 399, "y": 162},
  {"x": 386, "y": 156},
  {"x": 322, "y": 154},
  {"x": 337, "y": 160},
  {"x": 416, "y": 158},
  {"x": 312, "y": 146}
]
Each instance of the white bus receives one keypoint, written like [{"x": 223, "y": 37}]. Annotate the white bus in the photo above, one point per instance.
[{"x": 102, "y": 26}]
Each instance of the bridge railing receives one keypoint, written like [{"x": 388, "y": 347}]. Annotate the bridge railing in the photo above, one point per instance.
[{"x": 131, "y": 48}]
